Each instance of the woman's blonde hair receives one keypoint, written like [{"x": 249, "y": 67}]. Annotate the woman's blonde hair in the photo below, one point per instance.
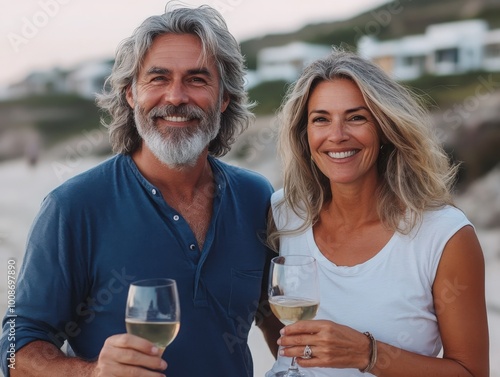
[{"x": 415, "y": 172}]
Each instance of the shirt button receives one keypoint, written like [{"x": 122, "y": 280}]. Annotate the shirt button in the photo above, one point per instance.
[
  {"x": 176, "y": 217},
  {"x": 153, "y": 191},
  {"x": 192, "y": 247}
]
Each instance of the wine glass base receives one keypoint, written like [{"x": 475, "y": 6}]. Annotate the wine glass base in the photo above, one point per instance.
[{"x": 291, "y": 373}]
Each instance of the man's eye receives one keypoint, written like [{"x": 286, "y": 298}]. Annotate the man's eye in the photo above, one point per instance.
[{"x": 198, "y": 80}]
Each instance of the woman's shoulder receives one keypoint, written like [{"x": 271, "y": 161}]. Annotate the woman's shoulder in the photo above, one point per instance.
[
  {"x": 441, "y": 222},
  {"x": 445, "y": 215},
  {"x": 284, "y": 216},
  {"x": 277, "y": 197}
]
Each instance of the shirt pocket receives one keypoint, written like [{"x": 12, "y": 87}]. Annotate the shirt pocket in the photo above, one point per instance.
[{"x": 245, "y": 293}]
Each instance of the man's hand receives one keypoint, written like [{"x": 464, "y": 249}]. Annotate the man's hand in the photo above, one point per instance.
[
  {"x": 121, "y": 356},
  {"x": 129, "y": 355}
]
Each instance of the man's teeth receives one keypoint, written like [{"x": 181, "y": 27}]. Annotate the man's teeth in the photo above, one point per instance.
[
  {"x": 341, "y": 154},
  {"x": 176, "y": 119}
]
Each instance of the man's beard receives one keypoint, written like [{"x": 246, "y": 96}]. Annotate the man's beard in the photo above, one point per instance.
[{"x": 178, "y": 147}]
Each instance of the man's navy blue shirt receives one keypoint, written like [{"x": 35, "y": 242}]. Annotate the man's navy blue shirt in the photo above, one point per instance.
[{"x": 109, "y": 226}]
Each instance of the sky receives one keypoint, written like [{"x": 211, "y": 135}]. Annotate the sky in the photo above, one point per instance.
[{"x": 41, "y": 34}]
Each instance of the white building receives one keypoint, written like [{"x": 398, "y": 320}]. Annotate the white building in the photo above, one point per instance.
[
  {"x": 85, "y": 80},
  {"x": 38, "y": 83},
  {"x": 88, "y": 79},
  {"x": 448, "y": 48},
  {"x": 286, "y": 62},
  {"x": 491, "y": 54}
]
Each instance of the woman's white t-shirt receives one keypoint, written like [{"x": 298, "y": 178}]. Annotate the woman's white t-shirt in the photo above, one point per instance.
[{"x": 390, "y": 295}]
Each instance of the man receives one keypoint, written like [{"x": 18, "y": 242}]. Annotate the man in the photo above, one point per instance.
[{"x": 164, "y": 206}]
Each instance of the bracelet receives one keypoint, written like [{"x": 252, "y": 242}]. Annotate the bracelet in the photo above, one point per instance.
[{"x": 373, "y": 353}]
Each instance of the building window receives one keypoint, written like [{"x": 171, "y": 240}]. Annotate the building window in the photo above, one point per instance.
[
  {"x": 449, "y": 55},
  {"x": 492, "y": 51},
  {"x": 413, "y": 61}
]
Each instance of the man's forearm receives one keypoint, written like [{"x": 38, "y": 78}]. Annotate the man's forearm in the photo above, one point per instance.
[{"x": 41, "y": 359}]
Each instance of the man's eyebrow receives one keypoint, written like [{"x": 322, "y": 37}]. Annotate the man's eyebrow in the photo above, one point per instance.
[
  {"x": 157, "y": 71},
  {"x": 165, "y": 71},
  {"x": 199, "y": 71}
]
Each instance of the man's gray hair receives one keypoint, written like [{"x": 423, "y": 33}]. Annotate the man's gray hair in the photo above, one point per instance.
[{"x": 217, "y": 43}]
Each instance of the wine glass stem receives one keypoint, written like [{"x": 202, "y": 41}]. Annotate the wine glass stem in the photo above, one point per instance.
[{"x": 293, "y": 370}]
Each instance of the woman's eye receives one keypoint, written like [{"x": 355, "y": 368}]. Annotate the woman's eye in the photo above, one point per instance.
[{"x": 358, "y": 118}]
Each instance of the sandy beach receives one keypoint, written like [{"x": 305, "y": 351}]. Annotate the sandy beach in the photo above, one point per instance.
[{"x": 22, "y": 188}]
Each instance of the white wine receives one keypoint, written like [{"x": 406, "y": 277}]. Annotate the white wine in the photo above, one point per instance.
[
  {"x": 159, "y": 333},
  {"x": 292, "y": 309}
]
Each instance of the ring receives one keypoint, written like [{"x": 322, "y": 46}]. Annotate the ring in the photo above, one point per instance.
[{"x": 308, "y": 353}]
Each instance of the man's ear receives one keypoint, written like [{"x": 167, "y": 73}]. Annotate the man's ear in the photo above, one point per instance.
[
  {"x": 225, "y": 102},
  {"x": 130, "y": 96}
]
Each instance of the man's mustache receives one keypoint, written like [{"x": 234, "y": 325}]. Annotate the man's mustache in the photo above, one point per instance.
[{"x": 185, "y": 111}]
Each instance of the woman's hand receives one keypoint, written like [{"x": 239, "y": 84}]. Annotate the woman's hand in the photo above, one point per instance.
[{"x": 332, "y": 345}]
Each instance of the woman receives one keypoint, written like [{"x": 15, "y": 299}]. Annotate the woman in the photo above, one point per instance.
[{"x": 367, "y": 193}]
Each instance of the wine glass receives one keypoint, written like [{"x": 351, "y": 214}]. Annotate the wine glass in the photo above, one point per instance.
[
  {"x": 153, "y": 311},
  {"x": 293, "y": 294}
]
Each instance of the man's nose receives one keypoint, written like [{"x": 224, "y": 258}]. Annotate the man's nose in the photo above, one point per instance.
[{"x": 175, "y": 93}]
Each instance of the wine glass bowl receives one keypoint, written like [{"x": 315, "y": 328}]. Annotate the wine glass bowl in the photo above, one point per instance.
[
  {"x": 293, "y": 294},
  {"x": 153, "y": 311}
]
